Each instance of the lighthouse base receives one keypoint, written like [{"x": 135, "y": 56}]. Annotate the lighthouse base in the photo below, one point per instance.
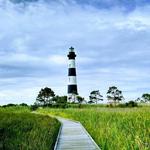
[{"x": 72, "y": 98}]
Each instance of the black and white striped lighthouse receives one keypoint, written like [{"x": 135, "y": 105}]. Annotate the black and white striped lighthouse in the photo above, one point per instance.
[{"x": 72, "y": 81}]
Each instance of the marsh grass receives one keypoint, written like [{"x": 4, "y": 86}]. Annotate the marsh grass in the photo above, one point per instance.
[
  {"x": 15, "y": 109},
  {"x": 112, "y": 128},
  {"x": 22, "y": 130}
]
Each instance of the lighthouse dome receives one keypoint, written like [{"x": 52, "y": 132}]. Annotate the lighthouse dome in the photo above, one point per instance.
[{"x": 71, "y": 49}]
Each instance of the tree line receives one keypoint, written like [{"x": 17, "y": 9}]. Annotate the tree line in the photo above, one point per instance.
[{"x": 47, "y": 97}]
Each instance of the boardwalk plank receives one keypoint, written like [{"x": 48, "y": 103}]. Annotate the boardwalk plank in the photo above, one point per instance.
[{"x": 74, "y": 137}]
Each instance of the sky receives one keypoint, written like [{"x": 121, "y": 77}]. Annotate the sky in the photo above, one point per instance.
[{"x": 111, "y": 39}]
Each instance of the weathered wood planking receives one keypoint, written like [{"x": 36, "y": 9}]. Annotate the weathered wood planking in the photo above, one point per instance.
[{"x": 73, "y": 136}]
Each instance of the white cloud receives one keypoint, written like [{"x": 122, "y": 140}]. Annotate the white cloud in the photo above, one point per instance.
[
  {"x": 58, "y": 59},
  {"x": 112, "y": 48}
]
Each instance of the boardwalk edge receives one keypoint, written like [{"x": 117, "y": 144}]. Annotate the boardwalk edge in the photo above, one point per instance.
[
  {"x": 90, "y": 137},
  {"x": 57, "y": 140}
]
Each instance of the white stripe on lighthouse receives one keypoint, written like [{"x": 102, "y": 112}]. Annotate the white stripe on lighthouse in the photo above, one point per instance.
[
  {"x": 71, "y": 63},
  {"x": 72, "y": 80}
]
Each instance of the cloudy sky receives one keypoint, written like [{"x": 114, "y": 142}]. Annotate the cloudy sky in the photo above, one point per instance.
[{"x": 111, "y": 39}]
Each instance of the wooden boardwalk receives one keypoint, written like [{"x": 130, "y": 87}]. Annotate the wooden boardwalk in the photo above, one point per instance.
[{"x": 73, "y": 136}]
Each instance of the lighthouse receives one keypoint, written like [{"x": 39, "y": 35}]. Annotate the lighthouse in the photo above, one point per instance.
[{"x": 72, "y": 80}]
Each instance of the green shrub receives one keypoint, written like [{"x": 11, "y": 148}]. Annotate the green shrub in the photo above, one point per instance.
[
  {"x": 10, "y": 105},
  {"x": 23, "y": 104},
  {"x": 131, "y": 104},
  {"x": 34, "y": 107}
]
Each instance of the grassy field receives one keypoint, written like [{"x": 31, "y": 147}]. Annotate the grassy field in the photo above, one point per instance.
[
  {"x": 16, "y": 109},
  {"x": 112, "y": 128},
  {"x": 22, "y": 130}
]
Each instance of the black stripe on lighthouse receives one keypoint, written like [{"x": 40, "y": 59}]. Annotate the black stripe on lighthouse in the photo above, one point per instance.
[
  {"x": 72, "y": 89},
  {"x": 72, "y": 72}
]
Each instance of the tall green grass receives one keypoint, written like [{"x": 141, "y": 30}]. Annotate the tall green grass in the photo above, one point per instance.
[
  {"x": 15, "y": 109},
  {"x": 113, "y": 128},
  {"x": 26, "y": 131}
]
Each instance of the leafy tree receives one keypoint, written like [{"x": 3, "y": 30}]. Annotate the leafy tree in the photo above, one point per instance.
[
  {"x": 114, "y": 94},
  {"x": 60, "y": 99},
  {"x": 145, "y": 98},
  {"x": 45, "y": 96},
  {"x": 95, "y": 96},
  {"x": 80, "y": 99},
  {"x": 138, "y": 99}
]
